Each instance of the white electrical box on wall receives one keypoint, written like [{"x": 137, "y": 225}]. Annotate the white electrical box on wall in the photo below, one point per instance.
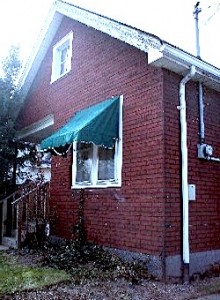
[{"x": 192, "y": 192}]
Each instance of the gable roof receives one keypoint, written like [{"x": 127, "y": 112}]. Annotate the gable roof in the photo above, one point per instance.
[{"x": 160, "y": 53}]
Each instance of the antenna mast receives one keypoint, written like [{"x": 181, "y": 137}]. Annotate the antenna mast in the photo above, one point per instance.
[{"x": 196, "y": 12}]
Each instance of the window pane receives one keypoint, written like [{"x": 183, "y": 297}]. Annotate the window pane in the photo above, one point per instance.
[
  {"x": 63, "y": 68},
  {"x": 63, "y": 54},
  {"x": 63, "y": 61},
  {"x": 106, "y": 163},
  {"x": 84, "y": 162}
]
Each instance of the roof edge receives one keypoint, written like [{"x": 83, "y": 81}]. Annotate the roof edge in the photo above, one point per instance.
[
  {"x": 35, "y": 127},
  {"x": 44, "y": 39},
  {"x": 178, "y": 61},
  {"x": 129, "y": 34},
  {"x": 137, "y": 38},
  {"x": 123, "y": 32}
]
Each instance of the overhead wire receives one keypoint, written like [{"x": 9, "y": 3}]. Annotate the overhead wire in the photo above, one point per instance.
[{"x": 216, "y": 9}]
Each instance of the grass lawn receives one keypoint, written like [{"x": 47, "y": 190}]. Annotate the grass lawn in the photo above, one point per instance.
[{"x": 15, "y": 277}]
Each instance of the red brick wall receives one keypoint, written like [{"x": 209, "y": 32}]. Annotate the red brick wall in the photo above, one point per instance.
[
  {"x": 145, "y": 214},
  {"x": 131, "y": 217},
  {"x": 204, "y": 213}
]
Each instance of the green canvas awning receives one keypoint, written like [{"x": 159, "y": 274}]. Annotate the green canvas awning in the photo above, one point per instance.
[{"x": 97, "y": 124}]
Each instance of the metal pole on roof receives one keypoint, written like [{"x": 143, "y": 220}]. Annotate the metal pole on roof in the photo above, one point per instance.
[{"x": 196, "y": 12}]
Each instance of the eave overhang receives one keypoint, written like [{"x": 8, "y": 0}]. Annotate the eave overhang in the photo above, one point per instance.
[
  {"x": 37, "y": 131},
  {"x": 128, "y": 34},
  {"x": 123, "y": 32},
  {"x": 40, "y": 49},
  {"x": 178, "y": 61},
  {"x": 160, "y": 53}
]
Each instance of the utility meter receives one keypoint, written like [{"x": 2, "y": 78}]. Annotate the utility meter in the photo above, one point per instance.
[
  {"x": 208, "y": 150},
  {"x": 204, "y": 151}
]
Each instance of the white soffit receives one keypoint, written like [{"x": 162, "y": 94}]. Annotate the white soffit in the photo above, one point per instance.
[{"x": 178, "y": 61}]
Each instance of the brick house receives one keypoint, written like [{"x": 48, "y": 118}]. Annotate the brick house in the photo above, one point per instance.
[{"x": 146, "y": 195}]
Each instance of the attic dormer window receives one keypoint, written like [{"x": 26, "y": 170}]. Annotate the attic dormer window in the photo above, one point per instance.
[{"x": 62, "y": 54}]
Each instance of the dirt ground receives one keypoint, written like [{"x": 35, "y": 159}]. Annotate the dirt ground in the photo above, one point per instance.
[
  {"x": 115, "y": 289},
  {"x": 119, "y": 289}
]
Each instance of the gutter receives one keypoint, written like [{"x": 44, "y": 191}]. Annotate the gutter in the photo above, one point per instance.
[
  {"x": 201, "y": 65},
  {"x": 184, "y": 179},
  {"x": 179, "y": 62}
]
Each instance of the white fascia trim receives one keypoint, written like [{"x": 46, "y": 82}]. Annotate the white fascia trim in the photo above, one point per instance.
[
  {"x": 192, "y": 60},
  {"x": 122, "y": 32},
  {"x": 178, "y": 61},
  {"x": 39, "y": 51},
  {"x": 129, "y": 35},
  {"x": 36, "y": 127}
]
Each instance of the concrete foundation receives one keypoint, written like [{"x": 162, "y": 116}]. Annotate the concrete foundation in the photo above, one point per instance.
[
  {"x": 199, "y": 263},
  {"x": 153, "y": 263}
]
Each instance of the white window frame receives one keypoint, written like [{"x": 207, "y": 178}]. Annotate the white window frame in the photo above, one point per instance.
[
  {"x": 65, "y": 42},
  {"x": 95, "y": 183}
]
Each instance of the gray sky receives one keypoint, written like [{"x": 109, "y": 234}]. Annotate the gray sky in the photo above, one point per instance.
[{"x": 171, "y": 20}]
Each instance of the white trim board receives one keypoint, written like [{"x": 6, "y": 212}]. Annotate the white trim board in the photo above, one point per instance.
[{"x": 42, "y": 124}]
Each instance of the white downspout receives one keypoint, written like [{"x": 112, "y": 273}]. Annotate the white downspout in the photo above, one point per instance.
[{"x": 184, "y": 156}]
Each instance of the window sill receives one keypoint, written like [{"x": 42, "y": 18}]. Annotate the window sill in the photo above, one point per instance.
[
  {"x": 60, "y": 77},
  {"x": 97, "y": 186}
]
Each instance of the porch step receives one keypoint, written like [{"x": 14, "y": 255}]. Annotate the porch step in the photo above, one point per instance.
[{"x": 9, "y": 242}]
